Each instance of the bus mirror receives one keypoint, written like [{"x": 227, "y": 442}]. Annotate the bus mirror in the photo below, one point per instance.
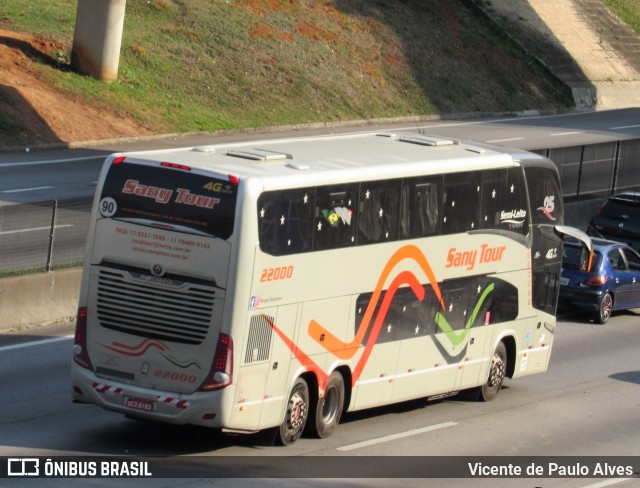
[{"x": 582, "y": 237}]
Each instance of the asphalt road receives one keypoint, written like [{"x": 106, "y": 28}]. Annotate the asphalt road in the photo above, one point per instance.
[{"x": 586, "y": 404}]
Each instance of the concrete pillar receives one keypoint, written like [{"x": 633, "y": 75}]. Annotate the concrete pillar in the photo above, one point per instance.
[{"x": 97, "y": 38}]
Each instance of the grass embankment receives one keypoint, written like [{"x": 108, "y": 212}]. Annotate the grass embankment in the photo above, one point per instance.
[
  {"x": 194, "y": 65},
  {"x": 627, "y": 10}
]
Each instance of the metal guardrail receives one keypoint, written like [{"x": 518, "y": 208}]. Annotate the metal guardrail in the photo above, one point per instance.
[{"x": 55, "y": 231}]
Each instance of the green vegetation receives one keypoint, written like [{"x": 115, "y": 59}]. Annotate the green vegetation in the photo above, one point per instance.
[
  {"x": 195, "y": 65},
  {"x": 627, "y": 10}
]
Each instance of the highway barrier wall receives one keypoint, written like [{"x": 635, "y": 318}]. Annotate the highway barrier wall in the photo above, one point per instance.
[{"x": 39, "y": 298}]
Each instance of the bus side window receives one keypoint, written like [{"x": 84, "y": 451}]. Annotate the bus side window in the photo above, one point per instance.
[
  {"x": 285, "y": 221},
  {"x": 545, "y": 289},
  {"x": 407, "y": 316},
  {"x": 504, "y": 201},
  {"x": 378, "y": 211},
  {"x": 335, "y": 218},
  {"x": 461, "y": 202},
  {"x": 420, "y": 207},
  {"x": 545, "y": 196}
]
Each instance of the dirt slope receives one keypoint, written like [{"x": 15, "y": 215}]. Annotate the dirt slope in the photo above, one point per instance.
[{"x": 48, "y": 115}]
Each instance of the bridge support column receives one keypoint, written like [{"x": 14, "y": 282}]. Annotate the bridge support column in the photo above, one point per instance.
[{"x": 97, "y": 38}]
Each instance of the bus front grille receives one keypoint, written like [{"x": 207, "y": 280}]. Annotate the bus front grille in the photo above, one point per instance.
[{"x": 158, "y": 308}]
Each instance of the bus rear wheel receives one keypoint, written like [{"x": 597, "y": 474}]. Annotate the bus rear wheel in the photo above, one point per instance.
[
  {"x": 497, "y": 372},
  {"x": 295, "y": 417},
  {"x": 328, "y": 409}
]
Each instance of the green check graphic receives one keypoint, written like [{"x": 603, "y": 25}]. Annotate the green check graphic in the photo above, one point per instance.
[{"x": 457, "y": 338}]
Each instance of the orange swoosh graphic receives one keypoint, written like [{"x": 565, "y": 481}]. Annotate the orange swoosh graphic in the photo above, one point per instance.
[
  {"x": 344, "y": 350},
  {"x": 404, "y": 278},
  {"x": 308, "y": 363}
]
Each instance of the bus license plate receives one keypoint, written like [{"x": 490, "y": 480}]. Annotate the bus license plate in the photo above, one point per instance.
[{"x": 138, "y": 404}]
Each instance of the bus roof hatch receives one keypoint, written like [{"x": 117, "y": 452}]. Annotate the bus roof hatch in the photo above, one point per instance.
[{"x": 259, "y": 154}]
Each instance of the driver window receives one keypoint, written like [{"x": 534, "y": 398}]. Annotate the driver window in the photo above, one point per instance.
[{"x": 633, "y": 260}]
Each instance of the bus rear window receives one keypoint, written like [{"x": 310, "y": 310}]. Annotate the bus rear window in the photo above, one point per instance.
[{"x": 185, "y": 201}]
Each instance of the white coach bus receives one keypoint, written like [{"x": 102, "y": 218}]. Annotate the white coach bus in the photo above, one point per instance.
[{"x": 279, "y": 283}]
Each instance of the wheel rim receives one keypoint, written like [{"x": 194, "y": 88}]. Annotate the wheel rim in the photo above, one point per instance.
[
  {"x": 297, "y": 412},
  {"x": 330, "y": 405},
  {"x": 605, "y": 308},
  {"x": 496, "y": 377}
]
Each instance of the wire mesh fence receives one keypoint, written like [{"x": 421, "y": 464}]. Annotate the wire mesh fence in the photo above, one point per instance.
[
  {"x": 597, "y": 170},
  {"x": 43, "y": 236}
]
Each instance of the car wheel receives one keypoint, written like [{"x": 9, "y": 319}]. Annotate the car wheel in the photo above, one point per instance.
[{"x": 605, "y": 308}]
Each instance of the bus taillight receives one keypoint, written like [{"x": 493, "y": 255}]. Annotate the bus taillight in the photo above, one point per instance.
[
  {"x": 222, "y": 367},
  {"x": 80, "y": 353}
]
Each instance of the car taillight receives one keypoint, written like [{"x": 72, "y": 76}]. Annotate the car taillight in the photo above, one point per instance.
[
  {"x": 596, "y": 280},
  {"x": 222, "y": 366},
  {"x": 80, "y": 353}
]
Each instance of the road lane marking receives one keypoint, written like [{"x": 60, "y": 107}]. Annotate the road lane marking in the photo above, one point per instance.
[
  {"x": 625, "y": 127},
  {"x": 27, "y": 189},
  {"x": 394, "y": 437},
  {"x": 50, "y": 161},
  {"x": 506, "y": 140},
  {"x": 560, "y": 134},
  {"x": 34, "y": 229},
  {"x": 35, "y": 343}
]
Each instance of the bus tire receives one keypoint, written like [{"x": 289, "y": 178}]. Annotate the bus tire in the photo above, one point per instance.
[
  {"x": 489, "y": 391},
  {"x": 295, "y": 417},
  {"x": 328, "y": 409}
]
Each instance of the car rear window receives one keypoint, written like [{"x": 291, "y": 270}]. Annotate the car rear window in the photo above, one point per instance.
[
  {"x": 574, "y": 257},
  {"x": 619, "y": 209}
]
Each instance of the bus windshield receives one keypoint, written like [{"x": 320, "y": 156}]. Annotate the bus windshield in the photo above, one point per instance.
[{"x": 185, "y": 201}]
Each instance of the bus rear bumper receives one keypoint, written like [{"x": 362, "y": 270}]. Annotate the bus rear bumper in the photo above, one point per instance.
[{"x": 201, "y": 408}]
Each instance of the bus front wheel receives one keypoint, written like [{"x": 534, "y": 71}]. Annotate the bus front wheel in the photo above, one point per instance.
[
  {"x": 295, "y": 417},
  {"x": 489, "y": 391},
  {"x": 328, "y": 408}
]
